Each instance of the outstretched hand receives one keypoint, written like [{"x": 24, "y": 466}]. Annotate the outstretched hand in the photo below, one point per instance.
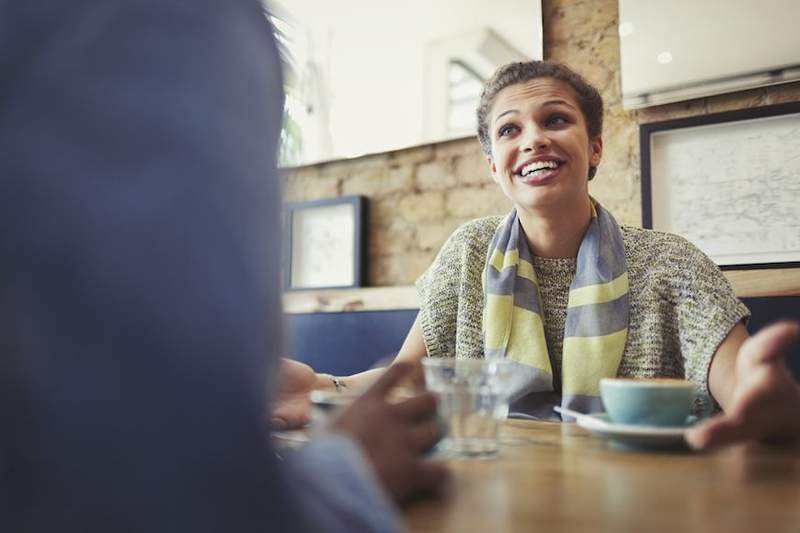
[
  {"x": 766, "y": 400},
  {"x": 394, "y": 436}
]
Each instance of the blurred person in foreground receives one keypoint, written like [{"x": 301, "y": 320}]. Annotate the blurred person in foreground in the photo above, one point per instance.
[{"x": 140, "y": 303}]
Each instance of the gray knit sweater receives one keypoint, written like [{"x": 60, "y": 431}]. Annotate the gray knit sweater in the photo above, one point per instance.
[{"x": 682, "y": 306}]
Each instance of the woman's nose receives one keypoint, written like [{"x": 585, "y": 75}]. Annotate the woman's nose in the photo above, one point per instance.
[{"x": 535, "y": 140}]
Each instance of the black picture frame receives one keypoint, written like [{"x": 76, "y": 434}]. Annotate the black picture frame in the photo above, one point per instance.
[
  {"x": 733, "y": 119},
  {"x": 324, "y": 243}
]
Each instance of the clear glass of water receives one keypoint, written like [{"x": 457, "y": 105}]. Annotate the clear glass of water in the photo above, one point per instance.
[{"x": 472, "y": 397}]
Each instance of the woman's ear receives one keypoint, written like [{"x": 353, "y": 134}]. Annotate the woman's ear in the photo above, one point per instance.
[
  {"x": 492, "y": 168},
  {"x": 596, "y": 155}
]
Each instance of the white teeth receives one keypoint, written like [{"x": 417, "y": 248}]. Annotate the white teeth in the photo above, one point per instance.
[{"x": 538, "y": 165}]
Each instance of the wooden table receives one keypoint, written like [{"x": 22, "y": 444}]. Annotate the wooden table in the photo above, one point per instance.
[{"x": 557, "y": 477}]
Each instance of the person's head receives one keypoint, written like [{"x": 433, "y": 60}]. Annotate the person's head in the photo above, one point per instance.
[{"x": 540, "y": 126}]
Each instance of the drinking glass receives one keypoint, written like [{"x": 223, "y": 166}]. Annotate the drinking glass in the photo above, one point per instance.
[{"x": 472, "y": 396}]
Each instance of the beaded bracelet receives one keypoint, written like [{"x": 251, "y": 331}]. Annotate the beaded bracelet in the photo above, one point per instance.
[{"x": 338, "y": 383}]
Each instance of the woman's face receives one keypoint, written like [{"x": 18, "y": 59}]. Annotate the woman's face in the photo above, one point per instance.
[{"x": 541, "y": 151}]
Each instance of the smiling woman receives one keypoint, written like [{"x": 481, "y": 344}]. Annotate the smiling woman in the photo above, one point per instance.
[{"x": 568, "y": 294}]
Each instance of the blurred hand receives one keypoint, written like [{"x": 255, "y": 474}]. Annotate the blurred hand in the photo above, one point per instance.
[
  {"x": 292, "y": 408},
  {"x": 395, "y": 435},
  {"x": 766, "y": 401}
]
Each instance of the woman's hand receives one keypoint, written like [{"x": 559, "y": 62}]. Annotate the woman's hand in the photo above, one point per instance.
[
  {"x": 292, "y": 408},
  {"x": 766, "y": 400}
]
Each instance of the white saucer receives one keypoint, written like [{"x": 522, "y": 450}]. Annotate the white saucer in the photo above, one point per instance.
[{"x": 636, "y": 437}]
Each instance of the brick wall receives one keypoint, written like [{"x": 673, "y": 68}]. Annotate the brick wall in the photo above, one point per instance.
[{"x": 417, "y": 196}]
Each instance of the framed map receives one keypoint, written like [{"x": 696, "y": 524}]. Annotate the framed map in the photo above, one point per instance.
[
  {"x": 324, "y": 243},
  {"x": 728, "y": 182}
]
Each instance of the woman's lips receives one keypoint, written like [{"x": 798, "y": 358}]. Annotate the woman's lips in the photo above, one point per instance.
[{"x": 540, "y": 177}]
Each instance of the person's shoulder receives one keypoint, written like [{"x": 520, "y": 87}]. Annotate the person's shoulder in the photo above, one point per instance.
[
  {"x": 654, "y": 251},
  {"x": 649, "y": 242},
  {"x": 460, "y": 260},
  {"x": 467, "y": 245},
  {"x": 478, "y": 230}
]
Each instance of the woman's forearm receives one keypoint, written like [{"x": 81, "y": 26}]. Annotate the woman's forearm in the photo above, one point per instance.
[
  {"x": 412, "y": 351},
  {"x": 354, "y": 382}
]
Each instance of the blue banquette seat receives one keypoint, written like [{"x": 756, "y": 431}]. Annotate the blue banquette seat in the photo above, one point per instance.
[{"x": 346, "y": 342}]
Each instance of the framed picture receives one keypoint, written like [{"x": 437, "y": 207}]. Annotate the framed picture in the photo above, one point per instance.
[
  {"x": 728, "y": 182},
  {"x": 324, "y": 243}
]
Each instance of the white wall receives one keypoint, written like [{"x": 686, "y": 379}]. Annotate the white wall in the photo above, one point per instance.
[{"x": 372, "y": 54}]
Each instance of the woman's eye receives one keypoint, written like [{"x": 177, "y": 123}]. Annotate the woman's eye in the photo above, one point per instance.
[
  {"x": 557, "y": 120},
  {"x": 505, "y": 130}
]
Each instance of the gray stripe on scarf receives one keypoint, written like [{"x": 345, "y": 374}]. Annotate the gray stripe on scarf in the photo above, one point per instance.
[
  {"x": 494, "y": 353},
  {"x": 536, "y": 406},
  {"x": 526, "y": 296},
  {"x": 582, "y": 404},
  {"x": 503, "y": 282},
  {"x": 539, "y": 406},
  {"x": 524, "y": 250},
  {"x": 504, "y": 235},
  {"x": 594, "y": 320},
  {"x": 527, "y": 379},
  {"x": 598, "y": 264}
]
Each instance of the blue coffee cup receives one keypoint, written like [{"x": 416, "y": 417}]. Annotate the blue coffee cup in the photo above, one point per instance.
[{"x": 650, "y": 402}]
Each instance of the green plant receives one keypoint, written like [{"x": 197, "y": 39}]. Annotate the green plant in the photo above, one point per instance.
[{"x": 291, "y": 140}]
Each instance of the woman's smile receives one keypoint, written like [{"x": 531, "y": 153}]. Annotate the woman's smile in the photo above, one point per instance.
[{"x": 539, "y": 171}]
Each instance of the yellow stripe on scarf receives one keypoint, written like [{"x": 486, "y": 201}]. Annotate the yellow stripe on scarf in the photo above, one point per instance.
[
  {"x": 598, "y": 294},
  {"x": 500, "y": 260},
  {"x": 500, "y": 306},
  {"x": 524, "y": 340},
  {"x": 526, "y": 344},
  {"x": 525, "y": 270},
  {"x": 599, "y": 357}
]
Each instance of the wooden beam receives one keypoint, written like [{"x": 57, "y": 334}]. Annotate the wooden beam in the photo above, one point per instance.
[
  {"x": 746, "y": 284},
  {"x": 343, "y": 300},
  {"x": 765, "y": 282}
]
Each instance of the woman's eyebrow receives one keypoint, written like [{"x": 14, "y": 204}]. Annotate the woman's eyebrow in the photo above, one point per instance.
[
  {"x": 505, "y": 113},
  {"x": 558, "y": 102},
  {"x": 546, "y": 104}
]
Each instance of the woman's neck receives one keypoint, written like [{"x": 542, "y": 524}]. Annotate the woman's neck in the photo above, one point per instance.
[{"x": 557, "y": 233}]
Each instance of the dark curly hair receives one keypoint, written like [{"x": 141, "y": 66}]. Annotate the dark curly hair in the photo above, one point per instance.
[{"x": 589, "y": 99}]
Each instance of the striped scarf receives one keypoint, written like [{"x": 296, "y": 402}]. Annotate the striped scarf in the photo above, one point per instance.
[{"x": 596, "y": 328}]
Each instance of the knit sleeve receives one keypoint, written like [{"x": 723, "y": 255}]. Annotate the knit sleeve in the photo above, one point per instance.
[
  {"x": 706, "y": 309},
  {"x": 450, "y": 292}
]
